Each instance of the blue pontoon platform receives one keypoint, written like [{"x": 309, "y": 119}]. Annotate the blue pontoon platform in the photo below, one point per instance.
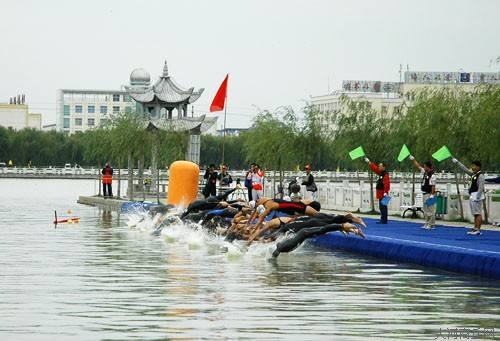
[{"x": 446, "y": 247}]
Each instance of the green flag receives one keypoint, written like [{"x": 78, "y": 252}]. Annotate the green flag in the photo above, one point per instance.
[
  {"x": 356, "y": 153},
  {"x": 442, "y": 154},
  {"x": 404, "y": 153}
]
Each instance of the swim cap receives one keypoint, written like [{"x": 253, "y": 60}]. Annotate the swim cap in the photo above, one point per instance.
[
  {"x": 260, "y": 209},
  {"x": 287, "y": 198},
  {"x": 251, "y": 204},
  {"x": 295, "y": 196},
  {"x": 316, "y": 205}
]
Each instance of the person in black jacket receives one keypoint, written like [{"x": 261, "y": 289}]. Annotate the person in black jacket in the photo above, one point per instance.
[{"x": 211, "y": 184}]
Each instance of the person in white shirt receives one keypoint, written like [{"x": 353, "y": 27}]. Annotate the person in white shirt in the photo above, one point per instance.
[
  {"x": 476, "y": 192},
  {"x": 257, "y": 183},
  {"x": 428, "y": 188}
]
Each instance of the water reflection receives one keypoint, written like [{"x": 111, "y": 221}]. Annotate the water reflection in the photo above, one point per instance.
[{"x": 103, "y": 280}]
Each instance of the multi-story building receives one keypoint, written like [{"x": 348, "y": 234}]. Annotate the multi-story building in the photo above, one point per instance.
[
  {"x": 388, "y": 98},
  {"x": 17, "y": 117},
  {"x": 79, "y": 110},
  {"x": 231, "y": 131}
]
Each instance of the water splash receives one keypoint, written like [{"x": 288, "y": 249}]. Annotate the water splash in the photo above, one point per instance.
[{"x": 174, "y": 231}]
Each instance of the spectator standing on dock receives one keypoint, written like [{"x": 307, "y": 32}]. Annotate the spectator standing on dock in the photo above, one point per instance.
[
  {"x": 225, "y": 179},
  {"x": 107, "y": 180},
  {"x": 429, "y": 191},
  {"x": 311, "y": 188},
  {"x": 248, "y": 181},
  {"x": 257, "y": 183},
  {"x": 476, "y": 193},
  {"x": 383, "y": 187},
  {"x": 211, "y": 185}
]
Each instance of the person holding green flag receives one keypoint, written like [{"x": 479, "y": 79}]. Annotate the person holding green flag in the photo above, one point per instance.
[
  {"x": 383, "y": 187},
  {"x": 476, "y": 193},
  {"x": 428, "y": 188}
]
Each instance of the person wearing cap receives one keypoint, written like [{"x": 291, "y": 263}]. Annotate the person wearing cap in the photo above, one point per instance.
[
  {"x": 476, "y": 193},
  {"x": 264, "y": 206},
  {"x": 428, "y": 188},
  {"x": 308, "y": 181},
  {"x": 383, "y": 187}
]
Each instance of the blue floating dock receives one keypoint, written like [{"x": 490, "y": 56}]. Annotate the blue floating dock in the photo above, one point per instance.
[
  {"x": 446, "y": 247},
  {"x": 136, "y": 206}
]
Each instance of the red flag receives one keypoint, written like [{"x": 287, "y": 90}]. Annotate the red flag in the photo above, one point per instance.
[{"x": 220, "y": 97}]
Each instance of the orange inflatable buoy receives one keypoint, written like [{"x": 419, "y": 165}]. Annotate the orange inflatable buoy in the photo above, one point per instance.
[{"x": 183, "y": 183}]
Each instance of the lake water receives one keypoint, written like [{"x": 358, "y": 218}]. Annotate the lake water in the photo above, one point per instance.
[{"x": 104, "y": 280}]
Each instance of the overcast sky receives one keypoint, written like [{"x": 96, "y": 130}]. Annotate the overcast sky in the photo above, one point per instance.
[{"x": 276, "y": 52}]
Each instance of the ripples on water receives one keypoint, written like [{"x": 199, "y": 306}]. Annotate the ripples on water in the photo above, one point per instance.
[{"x": 104, "y": 279}]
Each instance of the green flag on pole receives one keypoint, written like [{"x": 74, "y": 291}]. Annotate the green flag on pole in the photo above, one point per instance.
[
  {"x": 442, "y": 154},
  {"x": 357, "y": 153},
  {"x": 404, "y": 153}
]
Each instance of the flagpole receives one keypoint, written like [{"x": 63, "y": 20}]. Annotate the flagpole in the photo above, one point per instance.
[{"x": 224, "y": 129}]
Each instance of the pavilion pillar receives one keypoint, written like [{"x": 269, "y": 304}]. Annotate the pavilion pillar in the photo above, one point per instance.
[
  {"x": 157, "y": 110},
  {"x": 179, "y": 111}
]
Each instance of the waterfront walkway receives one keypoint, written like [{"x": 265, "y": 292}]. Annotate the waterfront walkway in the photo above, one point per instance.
[{"x": 446, "y": 247}]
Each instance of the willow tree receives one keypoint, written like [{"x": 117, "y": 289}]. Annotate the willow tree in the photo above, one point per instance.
[
  {"x": 96, "y": 146},
  {"x": 272, "y": 141}
]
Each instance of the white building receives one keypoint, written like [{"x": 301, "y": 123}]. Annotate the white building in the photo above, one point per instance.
[
  {"x": 388, "y": 98},
  {"x": 17, "y": 117},
  {"x": 79, "y": 110},
  {"x": 49, "y": 127},
  {"x": 386, "y": 104},
  {"x": 231, "y": 131}
]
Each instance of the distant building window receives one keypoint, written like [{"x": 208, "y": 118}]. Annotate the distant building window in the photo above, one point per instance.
[
  {"x": 91, "y": 109},
  {"x": 66, "y": 122},
  {"x": 128, "y": 110},
  {"x": 104, "y": 109},
  {"x": 78, "y": 121},
  {"x": 66, "y": 110},
  {"x": 116, "y": 109},
  {"x": 116, "y": 98},
  {"x": 90, "y": 122},
  {"x": 78, "y": 109}
]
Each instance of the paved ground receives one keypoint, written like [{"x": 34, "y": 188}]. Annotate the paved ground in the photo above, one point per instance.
[{"x": 421, "y": 221}]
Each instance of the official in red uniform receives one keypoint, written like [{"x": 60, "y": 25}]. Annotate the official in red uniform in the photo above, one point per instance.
[
  {"x": 107, "y": 180},
  {"x": 383, "y": 187}
]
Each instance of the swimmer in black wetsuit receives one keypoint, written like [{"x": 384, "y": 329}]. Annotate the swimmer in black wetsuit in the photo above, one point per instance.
[
  {"x": 228, "y": 212},
  {"x": 293, "y": 242},
  {"x": 320, "y": 219},
  {"x": 303, "y": 207},
  {"x": 276, "y": 223},
  {"x": 207, "y": 204}
]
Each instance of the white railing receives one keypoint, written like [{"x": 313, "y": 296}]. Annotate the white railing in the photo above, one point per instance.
[
  {"x": 320, "y": 176},
  {"x": 355, "y": 196}
]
